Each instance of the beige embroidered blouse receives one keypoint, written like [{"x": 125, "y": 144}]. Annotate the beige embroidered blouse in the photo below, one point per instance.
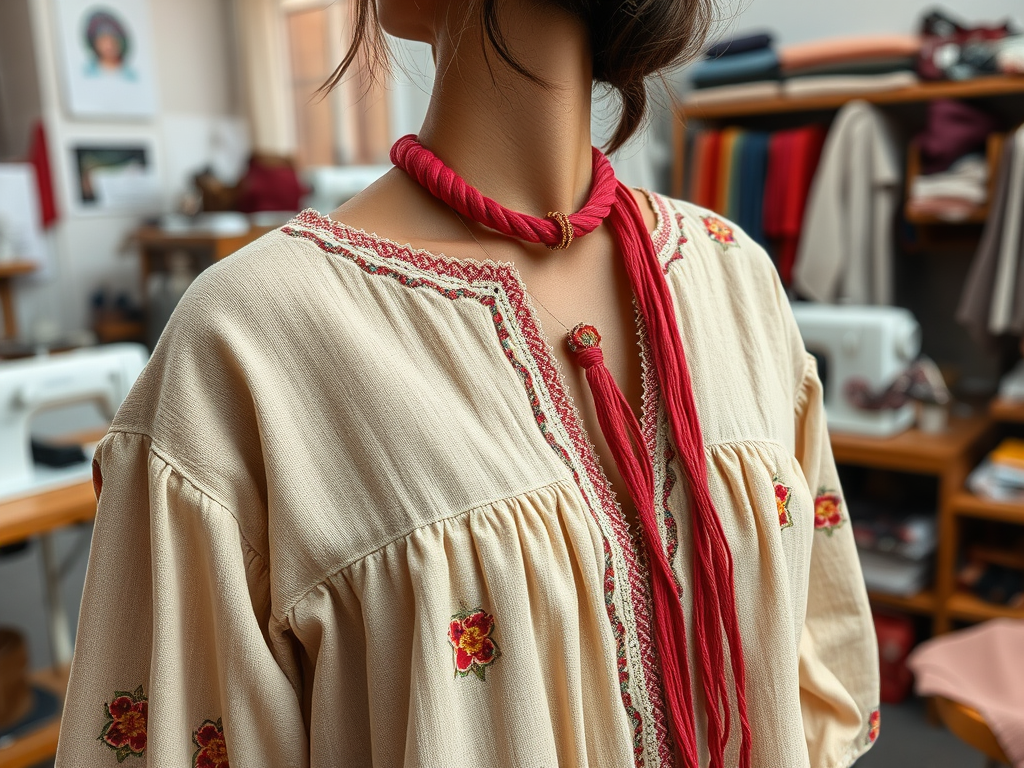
[{"x": 349, "y": 517}]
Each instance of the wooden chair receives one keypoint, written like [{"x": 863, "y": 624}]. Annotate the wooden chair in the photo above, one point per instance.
[{"x": 971, "y": 728}]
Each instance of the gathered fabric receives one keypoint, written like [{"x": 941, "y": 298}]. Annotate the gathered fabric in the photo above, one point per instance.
[{"x": 714, "y": 599}]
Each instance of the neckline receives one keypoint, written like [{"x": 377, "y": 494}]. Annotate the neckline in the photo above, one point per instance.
[
  {"x": 473, "y": 275},
  {"x": 660, "y": 236}
]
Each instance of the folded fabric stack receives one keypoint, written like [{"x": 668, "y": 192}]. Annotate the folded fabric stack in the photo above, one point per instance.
[
  {"x": 1001, "y": 475},
  {"x": 992, "y": 303},
  {"x": 759, "y": 180},
  {"x": 953, "y": 183},
  {"x": 739, "y": 68},
  {"x": 849, "y": 65},
  {"x": 895, "y": 548}
]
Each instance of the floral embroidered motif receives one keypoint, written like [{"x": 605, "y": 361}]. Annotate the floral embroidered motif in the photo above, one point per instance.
[
  {"x": 828, "y": 511},
  {"x": 783, "y": 495},
  {"x": 125, "y": 730},
  {"x": 475, "y": 649},
  {"x": 719, "y": 231},
  {"x": 212, "y": 751},
  {"x": 678, "y": 255},
  {"x": 874, "y": 726}
]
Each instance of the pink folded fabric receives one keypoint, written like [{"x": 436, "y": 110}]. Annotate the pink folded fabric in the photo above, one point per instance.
[
  {"x": 982, "y": 667},
  {"x": 835, "y": 50}
]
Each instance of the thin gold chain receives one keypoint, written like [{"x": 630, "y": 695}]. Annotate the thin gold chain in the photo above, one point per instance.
[{"x": 532, "y": 296}]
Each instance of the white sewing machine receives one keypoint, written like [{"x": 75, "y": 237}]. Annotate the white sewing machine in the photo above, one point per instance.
[
  {"x": 102, "y": 375},
  {"x": 874, "y": 344}
]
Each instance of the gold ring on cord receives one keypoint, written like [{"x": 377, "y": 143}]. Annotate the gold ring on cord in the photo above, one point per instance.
[{"x": 568, "y": 232}]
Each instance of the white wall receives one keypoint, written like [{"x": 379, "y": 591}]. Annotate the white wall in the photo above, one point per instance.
[
  {"x": 196, "y": 81},
  {"x": 197, "y": 87},
  {"x": 799, "y": 20}
]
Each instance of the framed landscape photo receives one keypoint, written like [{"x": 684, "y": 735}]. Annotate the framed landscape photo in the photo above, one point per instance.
[
  {"x": 107, "y": 49},
  {"x": 112, "y": 176}
]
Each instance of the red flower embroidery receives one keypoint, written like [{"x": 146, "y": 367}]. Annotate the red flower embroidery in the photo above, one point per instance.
[
  {"x": 719, "y": 231},
  {"x": 874, "y": 725},
  {"x": 828, "y": 512},
  {"x": 470, "y": 636},
  {"x": 125, "y": 729},
  {"x": 212, "y": 752},
  {"x": 783, "y": 494}
]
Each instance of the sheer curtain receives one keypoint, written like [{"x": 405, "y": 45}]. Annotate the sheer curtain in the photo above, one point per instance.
[{"x": 264, "y": 75}]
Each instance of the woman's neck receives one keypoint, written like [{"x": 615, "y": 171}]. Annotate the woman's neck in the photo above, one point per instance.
[{"x": 522, "y": 143}]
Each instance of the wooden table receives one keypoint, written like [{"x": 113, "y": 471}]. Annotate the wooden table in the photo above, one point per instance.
[
  {"x": 40, "y": 515},
  {"x": 950, "y": 457},
  {"x": 8, "y": 271}
]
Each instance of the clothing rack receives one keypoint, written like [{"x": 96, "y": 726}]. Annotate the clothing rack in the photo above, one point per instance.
[{"x": 947, "y": 457}]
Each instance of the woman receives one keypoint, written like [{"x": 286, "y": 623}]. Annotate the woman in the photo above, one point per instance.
[{"x": 363, "y": 508}]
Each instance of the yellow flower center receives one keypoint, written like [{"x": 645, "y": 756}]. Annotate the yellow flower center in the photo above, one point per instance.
[
  {"x": 472, "y": 640},
  {"x": 826, "y": 509},
  {"x": 133, "y": 723},
  {"x": 216, "y": 751}
]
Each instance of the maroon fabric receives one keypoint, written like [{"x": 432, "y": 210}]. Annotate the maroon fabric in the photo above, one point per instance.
[
  {"x": 954, "y": 129},
  {"x": 270, "y": 187},
  {"x": 39, "y": 157}
]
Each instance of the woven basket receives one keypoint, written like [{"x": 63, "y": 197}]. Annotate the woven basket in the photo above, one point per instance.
[{"x": 15, "y": 691}]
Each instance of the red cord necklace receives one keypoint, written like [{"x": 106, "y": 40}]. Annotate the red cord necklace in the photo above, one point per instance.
[{"x": 714, "y": 601}]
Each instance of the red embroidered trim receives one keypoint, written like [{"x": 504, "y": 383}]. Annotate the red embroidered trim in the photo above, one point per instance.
[
  {"x": 127, "y": 720},
  {"x": 677, "y": 255},
  {"x": 874, "y": 726},
  {"x": 828, "y": 511},
  {"x": 470, "y": 636},
  {"x": 472, "y": 272},
  {"x": 211, "y": 749}
]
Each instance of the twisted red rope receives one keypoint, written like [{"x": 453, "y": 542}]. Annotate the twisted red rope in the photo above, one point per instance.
[
  {"x": 445, "y": 184},
  {"x": 714, "y": 600}
]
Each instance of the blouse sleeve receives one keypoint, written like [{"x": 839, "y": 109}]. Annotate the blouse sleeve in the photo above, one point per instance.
[
  {"x": 174, "y": 662},
  {"x": 839, "y": 685}
]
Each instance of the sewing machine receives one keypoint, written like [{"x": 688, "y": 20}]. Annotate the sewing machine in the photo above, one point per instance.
[
  {"x": 873, "y": 344},
  {"x": 101, "y": 375}
]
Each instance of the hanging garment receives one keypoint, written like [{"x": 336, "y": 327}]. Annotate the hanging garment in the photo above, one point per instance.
[
  {"x": 711, "y": 158},
  {"x": 952, "y": 129},
  {"x": 975, "y": 306},
  {"x": 1003, "y": 291},
  {"x": 732, "y": 203},
  {"x": 790, "y": 170},
  {"x": 846, "y": 248},
  {"x": 753, "y": 169},
  {"x": 349, "y": 516},
  {"x": 726, "y": 160}
]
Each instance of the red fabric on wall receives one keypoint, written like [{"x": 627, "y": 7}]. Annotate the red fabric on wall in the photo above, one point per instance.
[{"x": 40, "y": 158}]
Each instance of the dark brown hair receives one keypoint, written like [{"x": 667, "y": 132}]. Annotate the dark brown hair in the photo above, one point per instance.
[{"x": 631, "y": 40}]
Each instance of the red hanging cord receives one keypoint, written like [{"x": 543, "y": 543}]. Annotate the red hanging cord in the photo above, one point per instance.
[{"x": 714, "y": 601}]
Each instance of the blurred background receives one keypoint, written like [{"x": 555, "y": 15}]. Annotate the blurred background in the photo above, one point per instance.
[{"x": 873, "y": 148}]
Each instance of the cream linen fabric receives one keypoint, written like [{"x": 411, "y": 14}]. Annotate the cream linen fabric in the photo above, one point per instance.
[{"x": 342, "y": 447}]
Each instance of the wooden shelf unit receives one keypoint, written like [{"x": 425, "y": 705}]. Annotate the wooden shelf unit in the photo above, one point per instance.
[
  {"x": 8, "y": 271},
  {"x": 741, "y": 110},
  {"x": 949, "y": 456}
]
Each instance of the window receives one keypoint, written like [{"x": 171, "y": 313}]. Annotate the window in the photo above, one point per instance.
[{"x": 350, "y": 126}]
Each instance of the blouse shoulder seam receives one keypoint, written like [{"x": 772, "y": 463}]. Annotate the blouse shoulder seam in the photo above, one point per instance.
[
  {"x": 161, "y": 454},
  {"x": 802, "y": 394},
  {"x": 744, "y": 441},
  {"x": 289, "y": 609}
]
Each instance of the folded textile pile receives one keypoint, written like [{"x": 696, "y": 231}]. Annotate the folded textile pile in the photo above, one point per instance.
[
  {"x": 992, "y": 303},
  {"x": 849, "y": 64},
  {"x": 952, "y": 195},
  {"x": 951, "y": 50},
  {"x": 1001, "y": 475},
  {"x": 737, "y": 68},
  {"x": 895, "y": 548}
]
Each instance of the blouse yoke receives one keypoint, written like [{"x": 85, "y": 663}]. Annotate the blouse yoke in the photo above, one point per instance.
[{"x": 349, "y": 516}]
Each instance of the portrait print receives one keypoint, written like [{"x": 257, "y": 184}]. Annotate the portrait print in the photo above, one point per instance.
[{"x": 108, "y": 57}]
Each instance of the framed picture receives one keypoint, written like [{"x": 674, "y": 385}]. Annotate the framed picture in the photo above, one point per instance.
[
  {"x": 108, "y": 58},
  {"x": 115, "y": 176}
]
